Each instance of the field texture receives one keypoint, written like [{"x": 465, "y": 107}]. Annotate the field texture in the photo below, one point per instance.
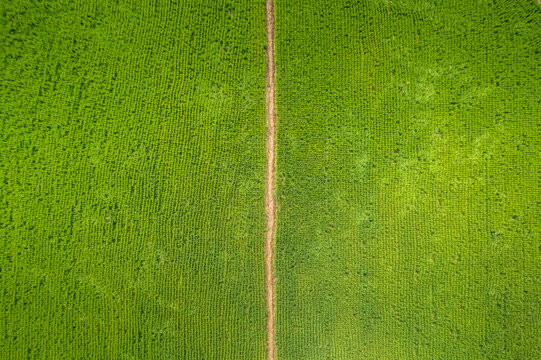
[
  {"x": 408, "y": 179},
  {"x": 132, "y": 168}
]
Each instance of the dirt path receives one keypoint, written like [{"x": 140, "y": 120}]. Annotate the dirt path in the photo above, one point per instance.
[{"x": 270, "y": 203}]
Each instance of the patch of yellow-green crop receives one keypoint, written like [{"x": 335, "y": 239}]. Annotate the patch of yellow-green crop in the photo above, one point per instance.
[{"x": 408, "y": 179}]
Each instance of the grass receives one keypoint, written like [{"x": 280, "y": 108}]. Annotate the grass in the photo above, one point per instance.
[
  {"x": 132, "y": 165},
  {"x": 408, "y": 161}
]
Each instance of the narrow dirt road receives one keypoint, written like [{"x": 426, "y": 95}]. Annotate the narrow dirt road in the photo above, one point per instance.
[{"x": 270, "y": 203}]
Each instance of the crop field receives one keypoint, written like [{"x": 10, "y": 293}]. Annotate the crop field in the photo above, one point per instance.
[
  {"x": 132, "y": 171},
  {"x": 139, "y": 196},
  {"x": 408, "y": 179}
]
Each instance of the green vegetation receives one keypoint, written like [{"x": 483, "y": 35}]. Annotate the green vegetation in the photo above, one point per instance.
[
  {"x": 408, "y": 179},
  {"x": 132, "y": 166},
  {"x": 132, "y": 172}
]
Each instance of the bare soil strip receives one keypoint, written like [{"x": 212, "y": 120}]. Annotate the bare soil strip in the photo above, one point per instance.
[{"x": 270, "y": 202}]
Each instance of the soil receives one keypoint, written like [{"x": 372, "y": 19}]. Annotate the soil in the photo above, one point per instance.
[{"x": 270, "y": 201}]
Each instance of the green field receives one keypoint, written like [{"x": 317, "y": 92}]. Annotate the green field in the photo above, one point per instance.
[
  {"x": 132, "y": 166},
  {"x": 408, "y": 179},
  {"x": 132, "y": 179}
]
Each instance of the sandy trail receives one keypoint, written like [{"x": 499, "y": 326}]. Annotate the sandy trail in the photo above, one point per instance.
[{"x": 270, "y": 202}]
